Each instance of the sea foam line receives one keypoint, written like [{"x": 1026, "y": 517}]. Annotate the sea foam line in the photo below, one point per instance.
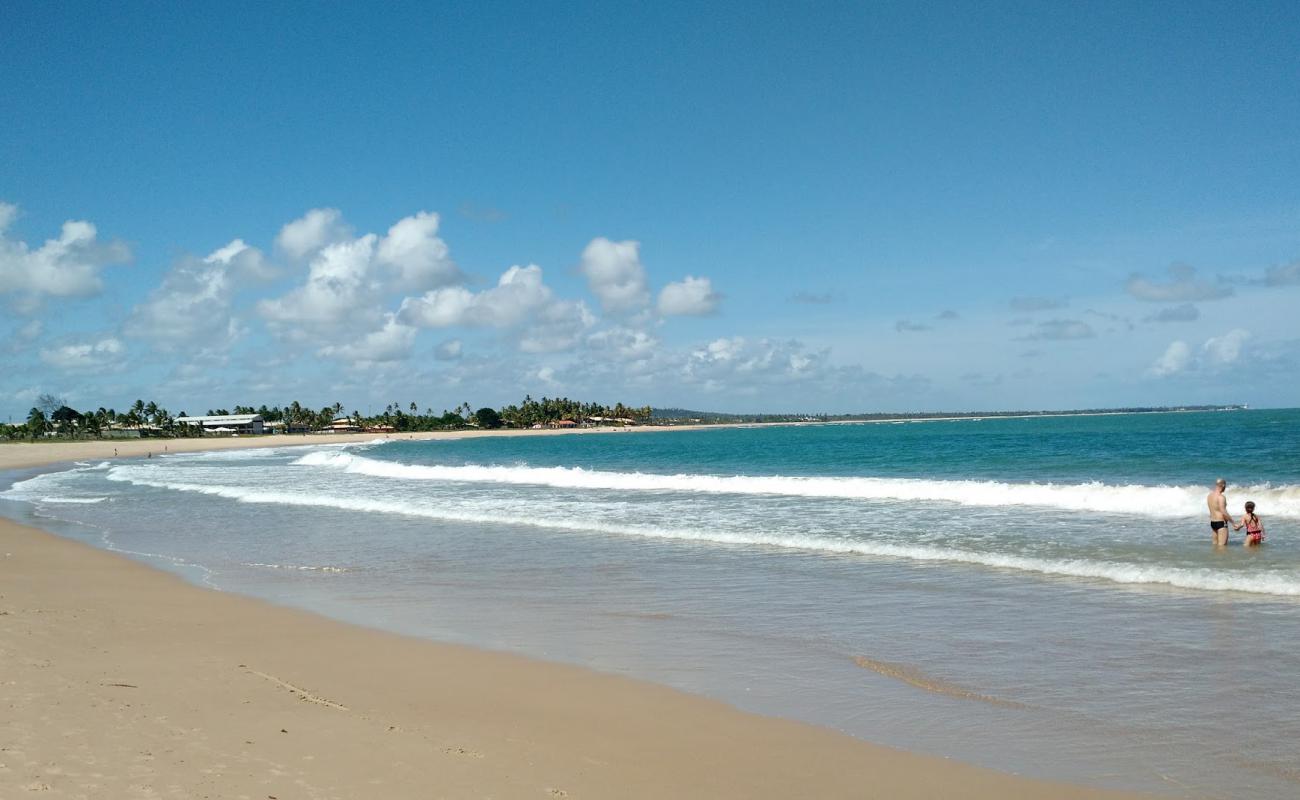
[
  {"x": 1286, "y": 584},
  {"x": 1174, "y": 502}
]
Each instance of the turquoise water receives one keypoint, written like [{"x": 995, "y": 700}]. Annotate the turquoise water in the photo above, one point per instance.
[{"x": 1038, "y": 595}]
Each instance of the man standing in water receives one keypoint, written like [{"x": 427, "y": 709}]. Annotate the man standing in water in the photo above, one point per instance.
[{"x": 1220, "y": 519}]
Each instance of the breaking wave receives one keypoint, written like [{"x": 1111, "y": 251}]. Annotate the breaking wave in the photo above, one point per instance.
[
  {"x": 1172, "y": 502},
  {"x": 1205, "y": 579}
]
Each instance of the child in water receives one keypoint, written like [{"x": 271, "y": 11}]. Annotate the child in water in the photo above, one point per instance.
[{"x": 1254, "y": 527}]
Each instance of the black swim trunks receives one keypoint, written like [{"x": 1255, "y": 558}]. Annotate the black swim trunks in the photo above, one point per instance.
[{"x": 1214, "y": 526}]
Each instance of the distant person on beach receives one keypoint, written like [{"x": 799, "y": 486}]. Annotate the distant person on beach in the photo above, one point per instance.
[
  {"x": 1251, "y": 522},
  {"x": 1220, "y": 519}
]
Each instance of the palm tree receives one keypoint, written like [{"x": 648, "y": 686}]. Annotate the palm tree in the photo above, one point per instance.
[{"x": 36, "y": 423}]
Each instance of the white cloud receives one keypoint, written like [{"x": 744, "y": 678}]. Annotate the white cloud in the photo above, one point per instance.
[
  {"x": 1177, "y": 358},
  {"x": 1226, "y": 349},
  {"x": 338, "y": 289},
  {"x": 312, "y": 231},
  {"x": 85, "y": 356},
  {"x": 520, "y": 301},
  {"x": 68, "y": 266},
  {"x": 689, "y": 297},
  {"x": 625, "y": 344},
  {"x": 1182, "y": 287},
  {"x": 519, "y": 292},
  {"x": 615, "y": 275},
  {"x": 736, "y": 360},
  {"x": 391, "y": 342},
  {"x": 243, "y": 261},
  {"x": 440, "y": 308},
  {"x": 1215, "y": 354},
  {"x": 556, "y": 326},
  {"x": 423, "y": 260},
  {"x": 192, "y": 305}
]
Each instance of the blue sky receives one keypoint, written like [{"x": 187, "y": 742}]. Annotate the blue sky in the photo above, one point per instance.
[{"x": 784, "y": 207}]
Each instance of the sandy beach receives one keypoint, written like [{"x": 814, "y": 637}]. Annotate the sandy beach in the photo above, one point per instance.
[
  {"x": 122, "y": 681},
  {"x": 22, "y": 455}
]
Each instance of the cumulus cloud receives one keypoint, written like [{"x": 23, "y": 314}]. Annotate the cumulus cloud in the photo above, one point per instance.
[
  {"x": 1217, "y": 353},
  {"x": 614, "y": 274},
  {"x": 518, "y": 292},
  {"x": 689, "y": 297},
  {"x": 89, "y": 356},
  {"x": 1061, "y": 330},
  {"x": 1183, "y": 286},
  {"x": 311, "y": 232},
  {"x": 520, "y": 301},
  {"x": 625, "y": 344},
  {"x": 192, "y": 304},
  {"x": 1226, "y": 349},
  {"x": 243, "y": 261},
  {"x": 68, "y": 266},
  {"x": 1036, "y": 303},
  {"x": 391, "y": 342},
  {"x": 907, "y": 326},
  {"x": 1182, "y": 313},
  {"x": 1176, "y": 358},
  {"x": 338, "y": 288},
  {"x": 736, "y": 361},
  {"x": 556, "y": 326},
  {"x": 421, "y": 259}
]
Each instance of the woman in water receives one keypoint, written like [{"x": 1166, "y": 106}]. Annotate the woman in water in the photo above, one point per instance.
[{"x": 1254, "y": 527}]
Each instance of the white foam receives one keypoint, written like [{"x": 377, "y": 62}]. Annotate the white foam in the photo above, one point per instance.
[
  {"x": 71, "y": 500},
  {"x": 1281, "y": 584},
  {"x": 1173, "y": 502},
  {"x": 298, "y": 567}
]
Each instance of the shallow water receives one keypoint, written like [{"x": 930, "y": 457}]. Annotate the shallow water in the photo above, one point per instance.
[{"x": 1036, "y": 595}]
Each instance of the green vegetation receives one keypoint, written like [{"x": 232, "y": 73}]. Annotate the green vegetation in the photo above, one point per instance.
[{"x": 52, "y": 417}]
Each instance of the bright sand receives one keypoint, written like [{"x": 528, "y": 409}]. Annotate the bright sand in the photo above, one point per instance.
[{"x": 117, "y": 680}]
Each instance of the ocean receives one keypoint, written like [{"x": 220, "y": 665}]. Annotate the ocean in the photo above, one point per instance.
[{"x": 1038, "y": 595}]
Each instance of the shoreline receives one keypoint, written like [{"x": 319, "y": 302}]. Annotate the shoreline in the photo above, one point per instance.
[
  {"x": 129, "y": 681},
  {"x": 29, "y": 455}
]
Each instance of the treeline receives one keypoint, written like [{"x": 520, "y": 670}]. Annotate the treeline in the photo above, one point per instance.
[
  {"x": 409, "y": 417},
  {"x": 52, "y": 416}
]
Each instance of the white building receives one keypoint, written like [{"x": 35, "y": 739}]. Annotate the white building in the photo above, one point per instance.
[{"x": 227, "y": 423}]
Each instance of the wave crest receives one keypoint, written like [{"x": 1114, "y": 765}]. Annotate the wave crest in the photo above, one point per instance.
[
  {"x": 1205, "y": 579},
  {"x": 1172, "y": 502}
]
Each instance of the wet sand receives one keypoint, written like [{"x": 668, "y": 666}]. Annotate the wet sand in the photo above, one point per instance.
[{"x": 118, "y": 680}]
